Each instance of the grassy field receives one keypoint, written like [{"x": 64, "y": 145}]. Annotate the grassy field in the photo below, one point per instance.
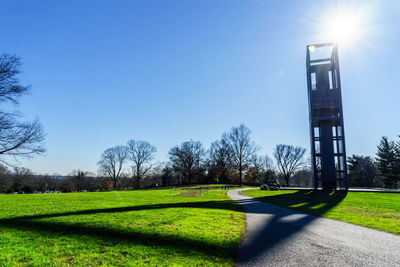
[
  {"x": 184, "y": 227},
  {"x": 375, "y": 210}
]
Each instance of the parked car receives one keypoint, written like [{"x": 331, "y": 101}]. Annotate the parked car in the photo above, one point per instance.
[{"x": 272, "y": 185}]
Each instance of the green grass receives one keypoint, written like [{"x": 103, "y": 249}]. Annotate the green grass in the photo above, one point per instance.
[
  {"x": 146, "y": 227},
  {"x": 375, "y": 210}
]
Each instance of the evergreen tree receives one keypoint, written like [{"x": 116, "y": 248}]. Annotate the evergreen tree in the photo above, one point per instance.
[
  {"x": 361, "y": 171},
  {"x": 386, "y": 162},
  {"x": 397, "y": 162}
]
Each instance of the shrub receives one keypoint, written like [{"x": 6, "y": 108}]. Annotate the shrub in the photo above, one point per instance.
[{"x": 264, "y": 187}]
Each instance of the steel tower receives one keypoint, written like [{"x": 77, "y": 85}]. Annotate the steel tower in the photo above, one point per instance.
[{"x": 328, "y": 150}]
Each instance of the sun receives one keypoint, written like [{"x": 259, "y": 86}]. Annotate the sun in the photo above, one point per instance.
[
  {"x": 344, "y": 25},
  {"x": 343, "y": 29}
]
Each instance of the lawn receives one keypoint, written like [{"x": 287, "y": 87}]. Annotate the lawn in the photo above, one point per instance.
[
  {"x": 375, "y": 210},
  {"x": 183, "y": 226}
]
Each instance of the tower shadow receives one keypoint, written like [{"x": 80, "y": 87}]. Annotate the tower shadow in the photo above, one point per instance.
[{"x": 280, "y": 224}]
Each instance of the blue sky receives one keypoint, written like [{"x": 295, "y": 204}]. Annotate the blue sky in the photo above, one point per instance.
[{"x": 104, "y": 72}]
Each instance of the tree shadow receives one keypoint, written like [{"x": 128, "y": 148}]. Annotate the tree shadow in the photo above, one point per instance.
[{"x": 276, "y": 229}]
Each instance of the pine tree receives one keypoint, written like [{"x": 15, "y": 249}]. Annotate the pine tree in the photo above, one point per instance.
[
  {"x": 386, "y": 162},
  {"x": 362, "y": 171},
  {"x": 397, "y": 163}
]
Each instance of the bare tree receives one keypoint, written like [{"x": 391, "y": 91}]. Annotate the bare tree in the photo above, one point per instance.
[
  {"x": 268, "y": 163},
  {"x": 220, "y": 160},
  {"x": 112, "y": 161},
  {"x": 141, "y": 153},
  {"x": 241, "y": 146},
  {"x": 187, "y": 159},
  {"x": 16, "y": 138},
  {"x": 288, "y": 158}
]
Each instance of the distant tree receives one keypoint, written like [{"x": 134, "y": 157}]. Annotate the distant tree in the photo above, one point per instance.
[
  {"x": 242, "y": 148},
  {"x": 167, "y": 175},
  {"x": 386, "y": 162},
  {"x": 254, "y": 175},
  {"x": 261, "y": 169},
  {"x": 81, "y": 180},
  {"x": 5, "y": 179},
  {"x": 141, "y": 154},
  {"x": 23, "y": 180},
  {"x": 270, "y": 175},
  {"x": 256, "y": 171},
  {"x": 302, "y": 177},
  {"x": 187, "y": 159},
  {"x": 40, "y": 184},
  {"x": 46, "y": 182},
  {"x": 112, "y": 161},
  {"x": 17, "y": 139},
  {"x": 289, "y": 159},
  {"x": 257, "y": 161},
  {"x": 362, "y": 171},
  {"x": 66, "y": 185},
  {"x": 105, "y": 184},
  {"x": 267, "y": 162},
  {"x": 125, "y": 181},
  {"x": 220, "y": 160},
  {"x": 269, "y": 170}
]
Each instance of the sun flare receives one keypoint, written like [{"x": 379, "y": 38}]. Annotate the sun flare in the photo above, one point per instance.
[
  {"x": 344, "y": 25},
  {"x": 343, "y": 29}
]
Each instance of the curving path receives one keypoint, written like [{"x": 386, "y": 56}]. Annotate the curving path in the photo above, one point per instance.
[{"x": 280, "y": 237}]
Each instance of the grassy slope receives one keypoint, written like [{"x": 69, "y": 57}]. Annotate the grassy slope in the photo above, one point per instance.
[
  {"x": 155, "y": 227},
  {"x": 375, "y": 210}
]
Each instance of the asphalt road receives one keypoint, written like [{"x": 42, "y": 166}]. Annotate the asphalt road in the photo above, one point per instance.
[{"x": 280, "y": 237}]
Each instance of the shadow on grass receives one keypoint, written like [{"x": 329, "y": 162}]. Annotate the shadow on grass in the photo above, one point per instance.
[
  {"x": 38, "y": 224},
  {"x": 276, "y": 229},
  {"x": 280, "y": 224}
]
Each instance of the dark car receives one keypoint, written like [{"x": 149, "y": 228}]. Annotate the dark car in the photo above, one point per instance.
[{"x": 272, "y": 185}]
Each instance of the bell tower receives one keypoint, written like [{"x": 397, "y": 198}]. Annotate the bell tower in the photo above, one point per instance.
[{"x": 328, "y": 150}]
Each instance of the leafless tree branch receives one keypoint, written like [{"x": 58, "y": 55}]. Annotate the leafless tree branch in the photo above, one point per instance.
[{"x": 16, "y": 138}]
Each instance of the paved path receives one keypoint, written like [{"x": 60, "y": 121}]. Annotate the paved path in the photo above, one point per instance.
[{"x": 280, "y": 237}]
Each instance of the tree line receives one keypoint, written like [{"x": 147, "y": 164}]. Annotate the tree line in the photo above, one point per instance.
[{"x": 231, "y": 159}]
